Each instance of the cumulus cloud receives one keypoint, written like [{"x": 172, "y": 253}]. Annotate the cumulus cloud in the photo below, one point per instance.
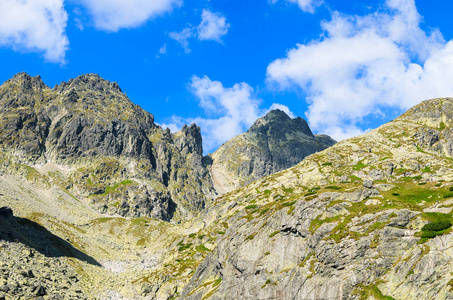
[
  {"x": 230, "y": 111},
  {"x": 366, "y": 65},
  {"x": 283, "y": 108},
  {"x": 305, "y": 5},
  {"x": 112, "y": 15},
  {"x": 35, "y": 26},
  {"x": 213, "y": 27}
]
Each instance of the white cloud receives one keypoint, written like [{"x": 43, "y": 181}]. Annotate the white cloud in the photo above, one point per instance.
[
  {"x": 163, "y": 49},
  {"x": 35, "y": 26},
  {"x": 230, "y": 111},
  {"x": 305, "y": 5},
  {"x": 283, "y": 108},
  {"x": 212, "y": 27},
  {"x": 366, "y": 64},
  {"x": 113, "y": 15},
  {"x": 183, "y": 37}
]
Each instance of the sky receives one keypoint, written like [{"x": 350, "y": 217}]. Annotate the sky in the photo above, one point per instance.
[{"x": 346, "y": 66}]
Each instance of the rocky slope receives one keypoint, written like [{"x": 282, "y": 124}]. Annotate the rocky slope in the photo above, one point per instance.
[
  {"x": 275, "y": 142},
  {"x": 86, "y": 135},
  {"x": 369, "y": 218}
]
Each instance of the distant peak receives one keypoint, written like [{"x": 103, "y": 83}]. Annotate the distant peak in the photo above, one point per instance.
[
  {"x": 277, "y": 114},
  {"x": 278, "y": 118}
]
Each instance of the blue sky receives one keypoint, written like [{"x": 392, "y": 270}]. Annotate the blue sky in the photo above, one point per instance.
[{"x": 345, "y": 66}]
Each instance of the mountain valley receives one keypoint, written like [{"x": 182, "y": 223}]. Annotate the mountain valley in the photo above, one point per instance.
[{"x": 99, "y": 202}]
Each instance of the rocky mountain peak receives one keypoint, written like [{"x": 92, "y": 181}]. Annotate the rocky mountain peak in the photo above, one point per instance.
[
  {"x": 22, "y": 90},
  {"x": 23, "y": 79},
  {"x": 276, "y": 122},
  {"x": 273, "y": 143},
  {"x": 89, "y": 82},
  {"x": 189, "y": 140},
  {"x": 90, "y": 125}
]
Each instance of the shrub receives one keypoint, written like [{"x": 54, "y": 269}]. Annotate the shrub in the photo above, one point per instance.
[
  {"x": 429, "y": 234},
  {"x": 333, "y": 187},
  {"x": 184, "y": 247},
  {"x": 289, "y": 203},
  {"x": 451, "y": 189},
  {"x": 437, "y": 226}
]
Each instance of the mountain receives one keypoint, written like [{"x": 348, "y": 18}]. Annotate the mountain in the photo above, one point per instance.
[
  {"x": 87, "y": 135},
  {"x": 274, "y": 142},
  {"x": 367, "y": 218}
]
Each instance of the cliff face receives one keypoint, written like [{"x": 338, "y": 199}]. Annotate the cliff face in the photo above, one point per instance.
[
  {"x": 274, "y": 143},
  {"x": 116, "y": 156}
]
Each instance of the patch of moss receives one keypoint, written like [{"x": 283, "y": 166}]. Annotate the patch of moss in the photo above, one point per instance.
[{"x": 274, "y": 233}]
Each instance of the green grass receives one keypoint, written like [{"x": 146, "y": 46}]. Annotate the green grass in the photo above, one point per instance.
[
  {"x": 201, "y": 248},
  {"x": 274, "y": 233},
  {"x": 139, "y": 221},
  {"x": 288, "y": 190},
  {"x": 184, "y": 247},
  {"x": 253, "y": 206},
  {"x": 366, "y": 292},
  {"x": 250, "y": 237},
  {"x": 327, "y": 164},
  {"x": 359, "y": 166},
  {"x": 289, "y": 203}
]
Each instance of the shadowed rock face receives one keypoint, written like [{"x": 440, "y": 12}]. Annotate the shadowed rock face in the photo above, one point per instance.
[
  {"x": 89, "y": 125},
  {"x": 273, "y": 143}
]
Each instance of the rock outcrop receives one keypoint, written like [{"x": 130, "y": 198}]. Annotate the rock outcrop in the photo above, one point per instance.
[{"x": 275, "y": 142}]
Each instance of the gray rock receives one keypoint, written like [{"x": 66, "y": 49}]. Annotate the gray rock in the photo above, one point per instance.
[{"x": 368, "y": 184}]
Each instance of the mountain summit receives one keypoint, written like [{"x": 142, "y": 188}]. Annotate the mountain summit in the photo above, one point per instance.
[
  {"x": 119, "y": 159},
  {"x": 273, "y": 143}
]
